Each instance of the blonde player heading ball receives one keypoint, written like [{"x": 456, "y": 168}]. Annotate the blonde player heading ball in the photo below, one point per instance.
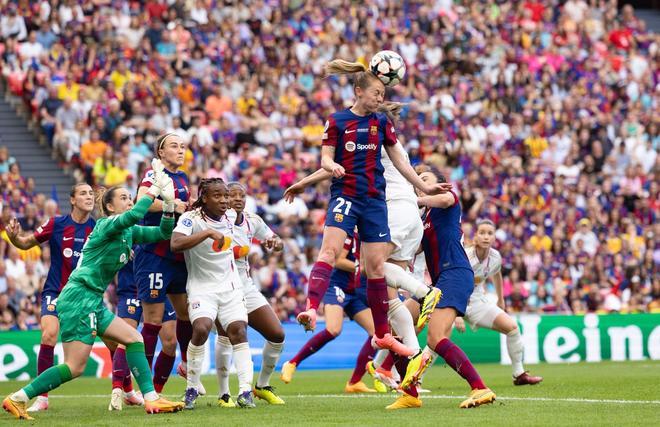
[
  {"x": 481, "y": 313},
  {"x": 214, "y": 287}
]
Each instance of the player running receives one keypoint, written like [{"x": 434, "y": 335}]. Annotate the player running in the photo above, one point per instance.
[
  {"x": 215, "y": 289},
  {"x": 351, "y": 152},
  {"x": 261, "y": 317},
  {"x": 450, "y": 271},
  {"x": 486, "y": 263},
  {"x": 159, "y": 272},
  {"x": 346, "y": 294},
  {"x": 66, "y": 236},
  {"x": 130, "y": 311},
  {"x": 82, "y": 312}
]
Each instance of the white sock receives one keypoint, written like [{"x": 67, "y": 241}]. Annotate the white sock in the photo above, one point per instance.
[
  {"x": 397, "y": 277},
  {"x": 380, "y": 357},
  {"x": 152, "y": 396},
  {"x": 195, "y": 361},
  {"x": 244, "y": 366},
  {"x": 20, "y": 396},
  {"x": 515, "y": 346},
  {"x": 223, "y": 351},
  {"x": 270, "y": 356},
  {"x": 402, "y": 323}
]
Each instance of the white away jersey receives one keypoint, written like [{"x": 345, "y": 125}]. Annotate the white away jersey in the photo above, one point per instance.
[
  {"x": 396, "y": 186},
  {"x": 209, "y": 270},
  {"x": 252, "y": 227},
  {"x": 486, "y": 268}
]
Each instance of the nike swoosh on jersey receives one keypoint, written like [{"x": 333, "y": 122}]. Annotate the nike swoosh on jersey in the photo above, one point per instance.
[
  {"x": 170, "y": 313},
  {"x": 350, "y": 131},
  {"x": 382, "y": 234},
  {"x": 67, "y": 238}
]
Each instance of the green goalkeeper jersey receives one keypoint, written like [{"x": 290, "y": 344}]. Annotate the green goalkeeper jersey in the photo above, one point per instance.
[{"x": 108, "y": 247}]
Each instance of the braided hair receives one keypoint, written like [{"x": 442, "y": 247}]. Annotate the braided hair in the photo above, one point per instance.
[{"x": 204, "y": 184}]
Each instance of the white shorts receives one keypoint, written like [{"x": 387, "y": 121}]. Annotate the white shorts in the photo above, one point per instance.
[
  {"x": 481, "y": 312},
  {"x": 253, "y": 297},
  {"x": 228, "y": 307},
  {"x": 406, "y": 229}
]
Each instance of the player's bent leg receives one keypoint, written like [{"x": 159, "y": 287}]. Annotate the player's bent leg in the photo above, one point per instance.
[
  {"x": 264, "y": 321},
  {"x": 319, "y": 277},
  {"x": 50, "y": 329},
  {"x": 153, "y": 320},
  {"x": 121, "y": 332},
  {"x": 505, "y": 324},
  {"x": 167, "y": 356},
  {"x": 201, "y": 328},
  {"x": 366, "y": 354},
  {"x": 237, "y": 333}
]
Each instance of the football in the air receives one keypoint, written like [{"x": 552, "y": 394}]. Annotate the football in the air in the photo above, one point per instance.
[{"x": 388, "y": 66}]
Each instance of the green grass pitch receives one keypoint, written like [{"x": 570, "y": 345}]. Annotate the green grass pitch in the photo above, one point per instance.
[{"x": 617, "y": 394}]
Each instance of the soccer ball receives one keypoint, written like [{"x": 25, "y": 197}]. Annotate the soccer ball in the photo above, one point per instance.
[{"x": 388, "y": 66}]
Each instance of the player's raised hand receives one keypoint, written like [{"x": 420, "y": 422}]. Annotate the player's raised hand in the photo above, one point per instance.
[
  {"x": 157, "y": 166},
  {"x": 432, "y": 189},
  {"x": 273, "y": 244},
  {"x": 13, "y": 229},
  {"x": 291, "y": 192},
  {"x": 180, "y": 206}
]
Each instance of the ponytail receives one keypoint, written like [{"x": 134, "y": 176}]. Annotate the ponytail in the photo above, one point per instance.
[
  {"x": 339, "y": 66},
  {"x": 363, "y": 77},
  {"x": 103, "y": 197},
  {"x": 392, "y": 110}
]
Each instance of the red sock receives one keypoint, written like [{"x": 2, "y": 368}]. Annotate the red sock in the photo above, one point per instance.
[
  {"x": 388, "y": 362},
  {"x": 150, "y": 338},
  {"x": 162, "y": 370},
  {"x": 45, "y": 360},
  {"x": 119, "y": 368},
  {"x": 366, "y": 354},
  {"x": 456, "y": 358},
  {"x": 378, "y": 303},
  {"x": 314, "y": 344},
  {"x": 128, "y": 383},
  {"x": 183, "y": 336},
  {"x": 319, "y": 280}
]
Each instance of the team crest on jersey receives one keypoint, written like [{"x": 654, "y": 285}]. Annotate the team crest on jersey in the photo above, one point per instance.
[
  {"x": 350, "y": 146},
  {"x": 373, "y": 130},
  {"x": 339, "y": 217},
  {"x": 131, "y": 309},
  {"x": 154, "y": 293},
  {"x": 50, "y": 307}
]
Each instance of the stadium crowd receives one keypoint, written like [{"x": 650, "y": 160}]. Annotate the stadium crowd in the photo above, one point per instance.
[{"x": 543, "y": 114}]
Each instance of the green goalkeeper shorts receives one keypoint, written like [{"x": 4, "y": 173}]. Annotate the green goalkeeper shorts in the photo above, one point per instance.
[{"x": 82, "y": 315}]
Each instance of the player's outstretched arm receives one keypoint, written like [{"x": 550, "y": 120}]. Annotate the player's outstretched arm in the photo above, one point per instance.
[
  {"x": 299, "y": 187},
  {"x": 18, "y": 238},
  {"x": 130, "y": 217},
  {"x": 404, "y": 167},
  {"x": 442, "y": 201},
  {"x": 147, "y": 234},
  {"x": 180, "y": 242},
  {"x": 328, "y": 162}
]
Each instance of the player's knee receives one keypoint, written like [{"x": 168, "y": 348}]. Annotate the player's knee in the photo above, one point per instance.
[
  {"x": 169, "y": 344},
  {"x": 49, "y": 337},
  {"x": 76, "y": 368},
  {"x": 276, "y": 336},
  {"x": 333, "y": 330},
  {"x": 328, "y": 255},
  {"x": 237, "y": 333}
]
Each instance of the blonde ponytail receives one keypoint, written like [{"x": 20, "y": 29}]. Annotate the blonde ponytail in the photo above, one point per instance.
[
  {"x": 392, "y": 110},
  {"x": 339, "y": 66}
]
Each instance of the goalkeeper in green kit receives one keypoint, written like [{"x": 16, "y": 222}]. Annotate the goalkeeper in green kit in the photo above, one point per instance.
[{"x": 80, "y": 305}]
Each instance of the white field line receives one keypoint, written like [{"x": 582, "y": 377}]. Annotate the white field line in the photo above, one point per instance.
[{"x": 424, "y": 396}]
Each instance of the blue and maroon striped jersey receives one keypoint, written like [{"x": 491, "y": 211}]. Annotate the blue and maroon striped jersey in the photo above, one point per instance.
[
  {"x": 66, "y": 239},
  {"x": 442, "y": 240},
  {"x": 358, "y": 141},
  {"x": 181, "y": 192}
]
